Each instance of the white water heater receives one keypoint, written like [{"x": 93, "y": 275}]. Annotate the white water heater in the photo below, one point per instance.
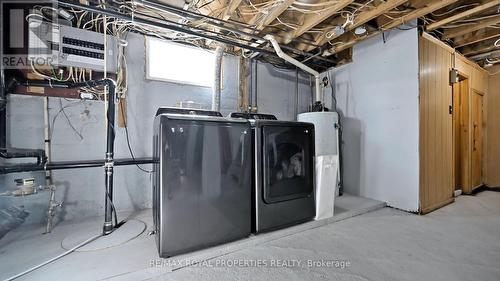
[
  {"x": 327, "y": 159},
  {"x": 325, "y": 130}
]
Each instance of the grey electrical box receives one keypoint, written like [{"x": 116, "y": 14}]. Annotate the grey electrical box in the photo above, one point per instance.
[
  {"x": 454, "y": 76},
  {"x": 52, "y": 44}
]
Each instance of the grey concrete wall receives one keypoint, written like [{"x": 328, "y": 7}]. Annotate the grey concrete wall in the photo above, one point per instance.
[
  {"x": 83, "y": 190},
  {"x": 377, "y": 95}
]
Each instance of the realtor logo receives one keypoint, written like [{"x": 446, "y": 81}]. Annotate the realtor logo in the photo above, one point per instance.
[{"x": 29, "y": 34}]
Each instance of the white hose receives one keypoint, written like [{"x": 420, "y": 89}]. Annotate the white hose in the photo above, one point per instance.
[
  {"x": 54, "y": 258},
  {"x": 298, "y": 64}
]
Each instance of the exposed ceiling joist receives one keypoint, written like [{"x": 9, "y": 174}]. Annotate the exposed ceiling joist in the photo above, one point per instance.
[
  {"x": 261, "y": 20},
  {"x": 463, "y": 15},
  {"x": 364, "y": 17},
  {"x": 429, "y": 8},
  {"x": 231, "y": 8},
  {"x": 485, "y": 55},
  {"x": 466, "y": 25},
  {"x": 479, "y": 48},
  {"x": 458, "y": 31},
  {"x": 488, "y": 34},
  {"x": 312, "y": 20}
]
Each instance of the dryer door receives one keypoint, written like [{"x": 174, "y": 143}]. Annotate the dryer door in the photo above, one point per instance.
[{"x": 287, "y": 161}]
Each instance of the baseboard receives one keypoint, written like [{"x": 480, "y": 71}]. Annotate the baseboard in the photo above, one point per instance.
[
  {"x": 434, "y": 207},
  {"x": 484, "y": 188}
]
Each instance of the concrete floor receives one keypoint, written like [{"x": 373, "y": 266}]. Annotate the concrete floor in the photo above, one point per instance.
[{"x": 458, "y": 242}]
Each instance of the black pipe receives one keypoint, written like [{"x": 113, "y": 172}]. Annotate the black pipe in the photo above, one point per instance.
[
  {"x": 39, "y": 154},
  {"x": 191, "y": 14},
  {"x": 3, "y": 109},
  {"x": 65, "y": 165},
  {"x": 110, "y": 135},
  {"x": 170, "y": 26},
  {"x": 175, "y": 26},
  {"x": 185, "y": 13},
  {"x": 214, "y": 21}
]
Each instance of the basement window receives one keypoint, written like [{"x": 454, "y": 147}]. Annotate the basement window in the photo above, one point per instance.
[{"x": 178, "y": 63}]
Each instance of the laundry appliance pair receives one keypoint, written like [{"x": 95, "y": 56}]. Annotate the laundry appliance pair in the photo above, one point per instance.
[{"x": 218, "y": 179}]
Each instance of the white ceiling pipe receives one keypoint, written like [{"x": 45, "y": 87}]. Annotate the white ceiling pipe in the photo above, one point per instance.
[{"x": 298, "y": 64}]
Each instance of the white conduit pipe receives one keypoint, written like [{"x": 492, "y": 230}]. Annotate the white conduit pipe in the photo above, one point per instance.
[
  {"x": 219, "y": 53},
  {"x": 298, "y": 64}
]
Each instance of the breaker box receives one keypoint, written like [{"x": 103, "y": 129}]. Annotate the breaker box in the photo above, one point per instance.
[{"x": 53, "y": 44}]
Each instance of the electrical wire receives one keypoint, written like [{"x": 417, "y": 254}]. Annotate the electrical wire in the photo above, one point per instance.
[
  {"x": 69, "y": 121},
  {"x": 59, "y": 112},
  {"x": 454, "y": 9},
  {"x": 128, "y": 140}
]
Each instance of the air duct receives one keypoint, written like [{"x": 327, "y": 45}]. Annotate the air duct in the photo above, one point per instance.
[{"x": 216, "y": 89}]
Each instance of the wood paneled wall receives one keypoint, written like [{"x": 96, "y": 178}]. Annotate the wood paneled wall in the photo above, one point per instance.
[
  {"x": 478, "y": 82},
  {"x": 436, "y": 155},
  {"x": 436, "y": 123},
  {"x": 493, "y": 132}
]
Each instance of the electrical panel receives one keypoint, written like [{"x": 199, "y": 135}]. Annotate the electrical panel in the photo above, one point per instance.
[{"x": 53, "y": 44}]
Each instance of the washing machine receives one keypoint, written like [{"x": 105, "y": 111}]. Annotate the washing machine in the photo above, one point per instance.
[
  {"x": 201, "y": 180},
  {"x": 283, "y": 171}
]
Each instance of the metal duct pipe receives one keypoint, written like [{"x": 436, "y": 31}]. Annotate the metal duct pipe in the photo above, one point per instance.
[
  {"x": 216, "y": 89},
  {"x": 110, "y": 136},
  {"x": 298, "y": 64}
]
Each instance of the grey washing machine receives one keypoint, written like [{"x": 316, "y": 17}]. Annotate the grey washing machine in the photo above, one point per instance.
[
  {"x": 283, "y": 171},
  {"x": 201, "y": 180}
]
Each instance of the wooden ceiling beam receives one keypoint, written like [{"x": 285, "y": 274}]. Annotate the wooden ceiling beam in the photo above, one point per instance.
[
  {"x": 231, "y": 8},
  {"x": 365, "y": 17},
  {"x": 428, "y": 8},
  {"x": 479, "y": 48},
  {"x": 311, "y": 20},
  {"x": 462, "y": 15},
  {"x": 458, "y": 31},
  {"x": 488, "y": 34},
  {"x": 260, "y": 21}
]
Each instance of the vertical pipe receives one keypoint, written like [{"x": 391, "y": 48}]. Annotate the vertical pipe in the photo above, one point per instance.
[
  {"x": 109, "y": 160},
  {"x": 48, "y": 174},
  {"x": 255, "y": 106},
  {"x": 110, "y": 85},
  {"x": 3, "y": 110},
  {"x": 109, "y": 109},
  {"x": 250, "y": 96},
  {"x": 219, "y": 53},
  {"x": 296, "y": 105}
]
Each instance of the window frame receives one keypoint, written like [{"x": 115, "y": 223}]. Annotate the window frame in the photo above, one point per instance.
[{"x": 178, "y": 82}]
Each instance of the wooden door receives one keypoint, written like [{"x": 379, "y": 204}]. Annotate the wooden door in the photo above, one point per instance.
[
  {"x": 477, "y": 139},
  {"x": 457, "y": 128},
  {"x": 464, "y": 159}
]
